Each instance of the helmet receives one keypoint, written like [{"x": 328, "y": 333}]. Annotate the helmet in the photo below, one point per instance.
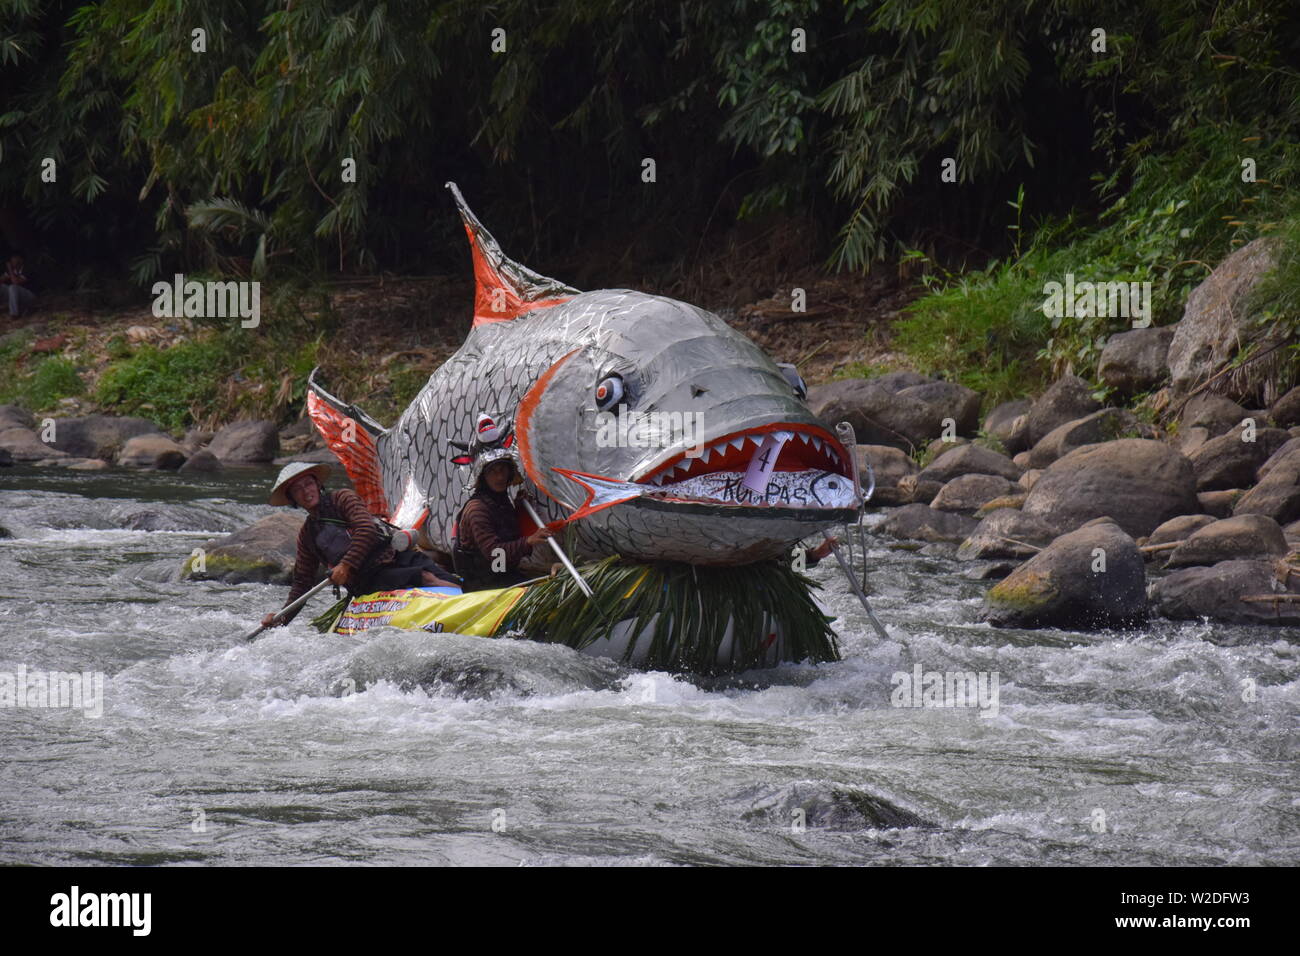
[
  {"x": 493, "y": 441},
  {"x": 279, "y": 496}
]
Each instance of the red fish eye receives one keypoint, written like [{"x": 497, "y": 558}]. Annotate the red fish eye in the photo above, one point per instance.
[{"x": 609, "y": 392}]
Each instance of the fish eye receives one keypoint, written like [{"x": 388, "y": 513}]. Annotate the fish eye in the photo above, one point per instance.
[{"x": 609, "y": 392}]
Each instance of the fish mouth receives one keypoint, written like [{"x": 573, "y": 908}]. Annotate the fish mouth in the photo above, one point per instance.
[{"x": 813, "y": 470}]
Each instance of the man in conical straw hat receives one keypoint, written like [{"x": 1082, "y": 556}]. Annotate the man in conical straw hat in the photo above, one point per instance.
[{"x": 341, "y": 533}]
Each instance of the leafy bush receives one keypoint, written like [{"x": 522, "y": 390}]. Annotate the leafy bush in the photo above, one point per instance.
[{"x": 43, "y": 385}]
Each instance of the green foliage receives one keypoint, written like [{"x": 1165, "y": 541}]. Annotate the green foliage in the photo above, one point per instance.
[
  {"x": 40, "y": 387},
  {"x": 171, "y": 386}
]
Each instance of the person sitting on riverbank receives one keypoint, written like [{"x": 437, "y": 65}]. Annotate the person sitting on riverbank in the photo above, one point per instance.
[
  {"x": 19, "y": 296},
  {"x": 341, "y": 533},
  {"x": 488, "y": 543}
]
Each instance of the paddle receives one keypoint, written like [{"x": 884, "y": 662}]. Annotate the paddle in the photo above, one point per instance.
[
  {"x": 555, "y": 546},
  {"x": 289, "y": 607}
]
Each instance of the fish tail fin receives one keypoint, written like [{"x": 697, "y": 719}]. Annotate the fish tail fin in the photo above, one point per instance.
[
  {"x": 504, "y": 289},
  {"x": 350, "y": 433}
]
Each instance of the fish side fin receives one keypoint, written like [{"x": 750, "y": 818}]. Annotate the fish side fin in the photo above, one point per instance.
[
  {"x": 504, "y": 289},
  {"x": 350, "y": 433}
]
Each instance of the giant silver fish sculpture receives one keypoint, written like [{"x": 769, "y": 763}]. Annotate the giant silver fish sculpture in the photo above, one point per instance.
[{"x": 650, "y": 425}]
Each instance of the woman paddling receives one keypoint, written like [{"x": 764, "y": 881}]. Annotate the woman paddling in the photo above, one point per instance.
[
  {"x": 488, "y": 545},
  {"x": 341, "y": 533}
]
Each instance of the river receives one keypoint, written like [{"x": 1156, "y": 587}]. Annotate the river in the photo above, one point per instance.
[{"x": 1173, "y": 744}]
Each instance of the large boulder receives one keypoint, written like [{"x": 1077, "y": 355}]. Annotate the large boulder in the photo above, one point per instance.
[
  {"x": 918, "y": 522},
  {"x": 1138, "y": 482},
  {"x": 878, "y": 417},
  {"x": 155, "y": 451},
  {"x": 1189, "y": 439},
  {"x": 1178, "y": 529},
  {"x": 951, "y": 400},
  {"x": 1219, "y": 504},
  {"x": 1292, "y": 444},
  {"x": 23, "y": 444},
  {"x": 1224, "y": 592},
  {"x": 1134, "y": 361},
  {"x": 201, "y": 461},
  {"x": 263, "y": 552},
  {"x": 890, "y": 467},
  {"x": 970, "y": 460},
  {"x": 97, "y": 436},
  {"x": 1006, "y": 533},
  {"x": 254, "y": 442},
  {"x": 1278, "y": 495},
  {"x": 1230, "y": 461},
  {"x": 1285, "y": 411},
  {"x": 894, "y": 382},
  {"x": 1092, "y": 577},
  {"x": 1105, "y": 425},
  {"x": 1069, "y": 398},
  {"x": 11, "y": 416},
  {"x": 1214, "y": 413},
  {"x": 999, "y": 423},
  {"x": 971, "y": 492},
  {"x": 1216, "y": 324},
  {"x": 1242, "y": 536}
]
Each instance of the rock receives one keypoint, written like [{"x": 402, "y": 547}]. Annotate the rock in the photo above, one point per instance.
[
  {"x": 1006, "y": 534},
  {"x": 992, "y": 571},
  {"x": 1138, "y": 482},
  {"x": 1105, "y": 425},
  {"x": 74, "y": 464},
  {"x": 1219, "y": 504},
  {"x": 263, "y": 552},
  {"x": 1230, "y": 462},
  {"x": 97, "y": 436},
  {"x": 1212, "y": 412},
  {"x": 970, "y": 492},
  {"x": 921, "y": 523},
  {"x": 1030, "y": 477},
  {"x": 315, "y": 456},
  {"x": 1069, "y": 398},
  {"x": 941, "y": 445},
  {"x": 152, "y": 521},
  {"x": 201, "y": 461},
  {"x": 155, "y": 451},
  {"x": 953, "y": 401},
  {"x": 1135, "y": 361},
  {"x": 11, "y": 416},
  {"x": 1021, "y": 460},
  {"x": 970, "y": 460},
  {"x": 894, "y": 382},
  {"x": 23, "y": 444},
  {"x": 1178, "y": 529},
  {"x": 1216, "y": 592},
  {"x": 1291, "y": 445},
  {"x": 998, "y": 423},
  {"x": 1278, "y": 495},
  {"x": 878, "y": 417},
  {"x": 1190, "y": 439},
  {"x": 194, "y": 440},
  {"x": 1292, "y": 531},
  {"x": 1014, "y": 501},
  {"x": 890, "y": 466},
  {"x": 246, "y": 443},
  {"x": 1216, "y": 323},
  {"x": 6, "y": 459},
  {"x": 1017, "y": 433},
  {"x": 1243, "y": 536},
  {"x": 914, "y": 490},
  {"x": 1285, "y": 411},
  {"x": 1067, "y": 585}
]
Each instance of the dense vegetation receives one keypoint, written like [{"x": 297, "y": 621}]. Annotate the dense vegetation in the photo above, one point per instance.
[{"x": 1120, "y": 160}]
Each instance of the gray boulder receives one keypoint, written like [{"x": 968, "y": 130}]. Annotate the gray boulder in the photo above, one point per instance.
[
  {"x": 98, "y": 436},
  {"x": 23, "y": 444},
  {"x": 11, "y": 416},
  {"x": 1190, "y": 439},
  {"x": 251, "y": 442},
  {"x": 1069, "y": 398},
  {"x": 1278, "y": 495},
  {"x": 1138, "y": 482},
  {"x": 1093, "y": 577},
  {"x": 1285, "y": 411},
  {"x": 1291, "y": 444},
  {"x": 1218, "y": 593},
  {"x": 971, "y": 492},
  {"x": 998, "y": 423},
  {"x": 1030, "y": 478},
  {"x": 263, "y": 552},
  {"x": 1242, "y": 536},
  {"x": 879, "y": 417},
  {"x": 1216, "y": 323},
  {"x": 894, "y": 382},
  {"x": 1178, "y": 529},
  {"x": 1219, "y": 504},
  {"x": 951, "y": 400},
  {"x": 6, "y": 459},
  {"x": 1231, "y": 462},
  {"x": 155, "y": 451},
  {"x": 1214, "y": 413},
  {"x": 1135, "y": 361},
  {"x": 1006, "y": 533},
  {"x": 890, "y": 466},
  {"x": 918, "y": 522},
  {"x": 1105, "y": 425},
  {"x": 195, "y": 439},
  {"x": 970, "y": 460},
  {"x": 201, "y": 461}
]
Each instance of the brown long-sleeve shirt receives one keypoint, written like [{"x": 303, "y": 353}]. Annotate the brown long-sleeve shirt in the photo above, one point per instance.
[
  {"x": 489, "y": 522},
  {"x": 343, "y": 505}
]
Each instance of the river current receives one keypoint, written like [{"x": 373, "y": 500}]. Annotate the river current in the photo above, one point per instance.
[{"x": 1172, "y": 744}]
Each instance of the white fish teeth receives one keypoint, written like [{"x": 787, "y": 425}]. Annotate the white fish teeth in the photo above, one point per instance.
[
  {"x": 783, "y": 436},
  {"x": 817, "y": 443},
  {"x": 803, "y": 437},
  {"x": 706, "y": 455},
  {"x": 737, "y": 443},
  {"x": 756, "y": 439},
  {"x": 720, "y": 448}
]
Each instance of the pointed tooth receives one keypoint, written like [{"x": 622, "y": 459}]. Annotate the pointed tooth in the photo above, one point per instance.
[
  {"x": 803, "y": 437},
  {"x": 706, "y": 455},
  {"x": 737, "y": 443},
  {"x": 657, "y": 480},
  {"x": 756, "y": 439},
  {"x": 783, "y": 436},
  {"x": 817, "y": 443},
  {"x": 720, "y": 448}
]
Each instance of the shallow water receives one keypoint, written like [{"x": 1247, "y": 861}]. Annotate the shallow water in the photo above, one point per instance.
[{"x": 1143, "y": 747}]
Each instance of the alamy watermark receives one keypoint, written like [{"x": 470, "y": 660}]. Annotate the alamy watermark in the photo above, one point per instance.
[
  {"x": 1129, "y": 300},
  {"x": 208, "y": 300},
  {"x": 633, "y": 429},
  {"x": 53, "y": 689},
  {"x": 922, "y": 688}
]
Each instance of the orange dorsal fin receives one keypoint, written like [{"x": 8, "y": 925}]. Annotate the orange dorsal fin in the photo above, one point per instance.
[{"x": 504, "y": 289}]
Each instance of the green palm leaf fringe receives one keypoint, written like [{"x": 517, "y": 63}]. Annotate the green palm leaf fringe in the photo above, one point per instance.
[
  {"x": 688, "y": 607},
  {"x": 325, "y": 620}
]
